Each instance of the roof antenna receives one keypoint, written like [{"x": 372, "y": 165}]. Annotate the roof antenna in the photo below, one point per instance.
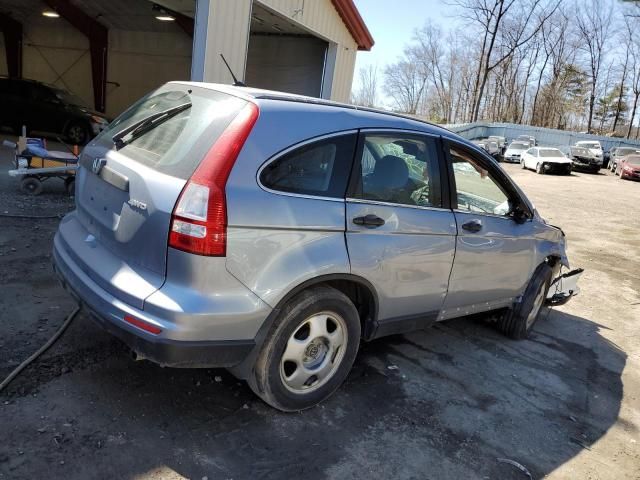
[{"x": 236, "y": 82}]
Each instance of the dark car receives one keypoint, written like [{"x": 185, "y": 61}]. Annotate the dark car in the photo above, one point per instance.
[
  {"x": 584, "y": 159},
  {"x": 619, "y": 153},
  {"x": 47, "y": 109},
  {"x": 629, "y": 167}
]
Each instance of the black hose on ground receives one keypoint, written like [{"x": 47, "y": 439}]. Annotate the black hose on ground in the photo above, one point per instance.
[{"x": 41, "y": 350}]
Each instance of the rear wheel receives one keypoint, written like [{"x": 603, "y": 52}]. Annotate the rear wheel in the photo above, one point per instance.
[
  {"x": 31, "y": 186},
  {"x": 518, "y": 322},
  {"x": 309, "y": 351},
  {"x": 540, "y": 169}
]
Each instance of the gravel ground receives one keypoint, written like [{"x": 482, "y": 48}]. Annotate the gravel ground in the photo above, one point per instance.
[{"x": 443, "y": 403}]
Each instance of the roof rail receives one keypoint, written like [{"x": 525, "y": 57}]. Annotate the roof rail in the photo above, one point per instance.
[{"x": 329, "y": 103}]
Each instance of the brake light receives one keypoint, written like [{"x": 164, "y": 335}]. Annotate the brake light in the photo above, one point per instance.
[{"x": 199, "y": 219}]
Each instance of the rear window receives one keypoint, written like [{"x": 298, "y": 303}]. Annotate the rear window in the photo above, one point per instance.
[
  {"x": 319, "y": 169},
  {"x": 518, "y": 146},
  {"x": 176, "y": 146},
  {"x": 551, "y": 153}
]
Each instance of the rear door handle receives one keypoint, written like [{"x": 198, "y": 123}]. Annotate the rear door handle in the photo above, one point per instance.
[
  {"x": 474, "y": 225},
  {"x": 371, "y": 221}
]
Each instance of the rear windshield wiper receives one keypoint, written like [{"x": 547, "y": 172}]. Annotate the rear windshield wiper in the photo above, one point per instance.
[{"x": 141, "y": 127}]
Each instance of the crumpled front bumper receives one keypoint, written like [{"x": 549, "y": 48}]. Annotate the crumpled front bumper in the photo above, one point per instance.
[{"x": 563, "y": 288}]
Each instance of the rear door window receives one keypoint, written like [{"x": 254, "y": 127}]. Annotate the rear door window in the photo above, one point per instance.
[
  {"x": 319, "y": 168},
  {"x": 169, "y": 147},
  {"x": 399, "y": 168}
]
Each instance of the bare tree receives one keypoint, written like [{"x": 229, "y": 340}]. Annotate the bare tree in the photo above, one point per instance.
[
  {"x": 367, "y": 93},
  {"x": 505, "y": 26},
  {"x": 404, "y": 83},
  {"x": 593, "y": 20}
]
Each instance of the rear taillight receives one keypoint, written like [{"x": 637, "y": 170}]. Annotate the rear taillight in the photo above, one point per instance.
[{"x": 199, "y": 219}]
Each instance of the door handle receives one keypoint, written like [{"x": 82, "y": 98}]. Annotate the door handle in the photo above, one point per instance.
[
  {"x": 474, "y": 225},
  {"x": 371, "y": 221}
]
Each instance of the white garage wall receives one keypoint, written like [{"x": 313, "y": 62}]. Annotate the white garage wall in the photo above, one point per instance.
[
  {"x": 55, "y": 52},
  {"x": 142, "y": 61}
]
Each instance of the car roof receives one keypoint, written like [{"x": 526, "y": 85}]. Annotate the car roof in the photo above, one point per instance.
[{"x": 252, "y": 94}]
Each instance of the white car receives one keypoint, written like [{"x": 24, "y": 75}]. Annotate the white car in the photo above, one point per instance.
[
  {"x": 593, "y": 146},
  {"x": 546, "y": 160},
  {"x": 514, "y": 151}
]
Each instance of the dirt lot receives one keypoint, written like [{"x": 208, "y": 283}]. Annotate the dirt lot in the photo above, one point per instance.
[{"x": 565, "y": 403}]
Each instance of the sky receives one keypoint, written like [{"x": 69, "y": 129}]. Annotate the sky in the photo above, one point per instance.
[{"x": 392, "y": 23}]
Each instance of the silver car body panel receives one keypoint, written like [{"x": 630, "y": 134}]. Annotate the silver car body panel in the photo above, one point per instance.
[
  {"x": 113, "y": 253},
  {"x": 408, "y": 259}
]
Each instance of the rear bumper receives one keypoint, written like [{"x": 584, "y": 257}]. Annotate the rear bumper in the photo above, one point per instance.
[{"x": 171, "y": 347}]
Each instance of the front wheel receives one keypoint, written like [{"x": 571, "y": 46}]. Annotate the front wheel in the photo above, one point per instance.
[
  {"x": 77, "y": 134},
  {"x": 309, "y": 351},
  {"x": 522, "y": 165},
  {"x": 540, "y": 169},
  {"x": 518, "y": 322}
]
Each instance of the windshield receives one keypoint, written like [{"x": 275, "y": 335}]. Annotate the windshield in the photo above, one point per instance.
[
  {"x": 518, "y": 146},
  {"x": 635, "y": 161},
  {"x": 591, "y": 145},
  {"x": 69, "y": 98},
  {"x": 621, "y": 152},
  {"x": 551, "y": 152}
]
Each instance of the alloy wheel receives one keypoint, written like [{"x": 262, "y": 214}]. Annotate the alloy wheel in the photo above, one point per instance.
[{"x": 314, "y": 352}]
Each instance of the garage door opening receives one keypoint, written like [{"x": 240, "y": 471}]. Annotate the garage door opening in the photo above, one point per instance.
[{"x": 282, "y": 56}]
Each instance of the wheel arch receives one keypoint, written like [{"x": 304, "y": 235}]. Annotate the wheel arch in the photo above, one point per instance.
[{"x": 359, "y": 290}]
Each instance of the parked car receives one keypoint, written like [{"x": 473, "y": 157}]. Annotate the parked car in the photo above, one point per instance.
[
  {"x": 528, "y": 139},
  {"x": 47, "y": 109},
  {"x": 584, "y": 159},
  {"x": 514, "y": 151},
  {"x": 481, "y": 144},
  {"x": 501, "y": 141},
  {"x": 593, "y": 146},
  {"x": 546, "y": 160},
  {"x": 270, "y": 233},
  {"x": 620, "y": 153},
  {"x": 629, "y": 167}
]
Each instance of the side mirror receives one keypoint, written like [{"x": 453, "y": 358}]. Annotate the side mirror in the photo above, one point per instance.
[{"x": 519, "y": 214}]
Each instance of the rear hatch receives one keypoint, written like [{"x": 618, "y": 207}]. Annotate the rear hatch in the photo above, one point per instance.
[{"x": 126, "y": 193}]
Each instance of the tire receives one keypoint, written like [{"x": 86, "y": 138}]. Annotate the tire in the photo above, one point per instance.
[
  {"x": 77, "y": 134},
  {"x": 518, "y": 322},
  {"x": 540, "y": 169},
  {"x": 522, "y": 164},
  {"x": 31, "y": 186},
  {"x": 274, "y": 379}
]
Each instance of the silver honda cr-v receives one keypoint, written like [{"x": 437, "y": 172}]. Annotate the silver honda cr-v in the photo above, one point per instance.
[{"x": 270, "y": 234}]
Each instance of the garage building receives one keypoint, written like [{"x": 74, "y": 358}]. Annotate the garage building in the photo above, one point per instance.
[{"x": 109, "y": 53}]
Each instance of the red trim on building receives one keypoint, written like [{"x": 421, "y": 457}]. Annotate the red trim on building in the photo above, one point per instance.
[
  {"x": 12, "y": 31},
  {"x": 354, "y": 23}
]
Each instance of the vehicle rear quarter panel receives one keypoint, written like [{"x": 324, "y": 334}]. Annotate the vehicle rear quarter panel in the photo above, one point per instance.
[{"x": 278, "y": 241}]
